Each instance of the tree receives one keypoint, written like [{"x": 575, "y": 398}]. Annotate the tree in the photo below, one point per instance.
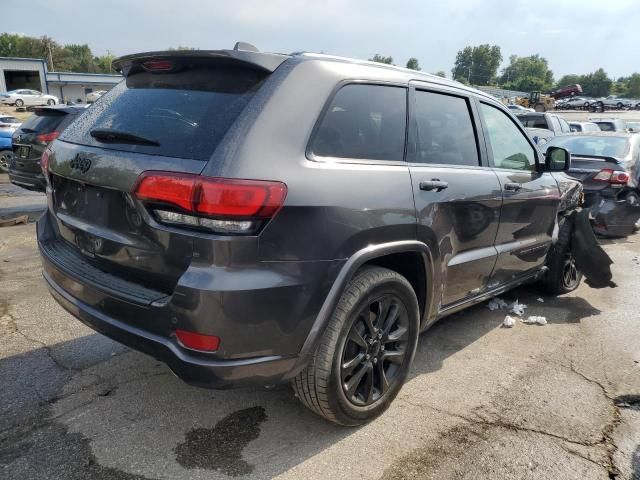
[
  {"x": 103, "y": 63},
  {"x": 413, "y": 64},
  {"x": 596, "y": 84},
  {"x": 627, "y": 86},
  {"x": 381, "y": 59},
  {"x": 180, "y": 47},
  {"x": 527, "y": 74},
  {"x": 441, "y": 73},
  {"x": 477, "y": 65}
]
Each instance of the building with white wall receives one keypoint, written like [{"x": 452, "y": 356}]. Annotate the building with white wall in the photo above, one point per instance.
[{"x": 32, "y": 73}]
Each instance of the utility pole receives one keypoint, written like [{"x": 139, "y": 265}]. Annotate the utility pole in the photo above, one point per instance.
[{"x": 50, "y": 56}]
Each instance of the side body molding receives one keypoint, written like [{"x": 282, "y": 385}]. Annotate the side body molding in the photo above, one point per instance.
[{"x": 346, "y": 273}]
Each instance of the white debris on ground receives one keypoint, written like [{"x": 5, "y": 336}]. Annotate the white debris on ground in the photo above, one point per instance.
[
  {"x": 508, "y": 322},
  {"x": 517, "y": 308},
  {"x": 497, "y": 304},
  {"x": 533, "y": 319}
]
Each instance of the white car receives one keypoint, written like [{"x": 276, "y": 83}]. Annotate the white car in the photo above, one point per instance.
[
  {"x": 23, "y": 97},
  {"x": 93, "y": 96}
]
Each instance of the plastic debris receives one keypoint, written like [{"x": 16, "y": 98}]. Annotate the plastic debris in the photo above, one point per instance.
[
  {"x": 541, "y": 300},
  {"x": 497, "y": 304},
  {"x": 517, "y": 308},
  {"x": 508, "y": 322},
  {"x": 533, "y": 319}
]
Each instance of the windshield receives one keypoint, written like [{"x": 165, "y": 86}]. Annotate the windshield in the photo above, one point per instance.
[
  {"x": 45, "y": 121},
  {"x": 596, "y": 145},
  {"x": 183, "y": 114}
]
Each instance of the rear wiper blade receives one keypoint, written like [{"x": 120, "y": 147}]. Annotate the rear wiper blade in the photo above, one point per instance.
[
  {"x": 27, "y": 130},
  {"x": 108, "y": 135}
]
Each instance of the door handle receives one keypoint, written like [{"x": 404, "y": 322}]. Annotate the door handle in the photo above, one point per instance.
[
  {"x": 434, "y": 184},
  {"x": 512, "y": 187}
]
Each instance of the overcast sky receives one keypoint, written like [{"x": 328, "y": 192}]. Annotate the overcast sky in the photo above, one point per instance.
[{"x": 575, "y": 36}]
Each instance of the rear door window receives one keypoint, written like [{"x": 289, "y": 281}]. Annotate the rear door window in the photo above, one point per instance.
[
  {"x": 445, "y": 130},
  {"x": 184, "y": 113},
  {"x": 363, "y": 122}
]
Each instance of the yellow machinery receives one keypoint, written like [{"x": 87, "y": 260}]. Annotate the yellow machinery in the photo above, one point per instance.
[{"x": 537, "y": 101}]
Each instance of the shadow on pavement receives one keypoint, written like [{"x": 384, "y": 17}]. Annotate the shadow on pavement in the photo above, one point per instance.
[{"x": 58, "y": 402}]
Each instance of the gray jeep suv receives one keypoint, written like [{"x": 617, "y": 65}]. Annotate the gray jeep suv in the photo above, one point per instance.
[{"x": 253, "y": 218}]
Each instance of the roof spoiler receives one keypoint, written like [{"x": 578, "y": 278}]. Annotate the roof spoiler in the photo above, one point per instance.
[
  {"x": 243, "y": 54},
  {"x": 603, "y": 158}
]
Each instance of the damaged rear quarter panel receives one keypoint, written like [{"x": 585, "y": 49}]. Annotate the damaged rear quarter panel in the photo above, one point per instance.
[{"x": 570, "y": 192}]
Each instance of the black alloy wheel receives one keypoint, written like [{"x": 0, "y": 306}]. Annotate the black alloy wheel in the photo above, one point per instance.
[{"x": 374, "y": 350}]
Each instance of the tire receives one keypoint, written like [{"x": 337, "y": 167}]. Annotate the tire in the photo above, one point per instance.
[
  {"x": 51, "y": 101},
  {"x": 19, "y": 103},
  {"x": 5, "y": 158},
  {"x": 620, "y": 106},
  {"x": 353, "y": 351},
  {"x": 563, "y": 276}
]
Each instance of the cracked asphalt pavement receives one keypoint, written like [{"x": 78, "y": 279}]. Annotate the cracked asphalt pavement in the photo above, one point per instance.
[{"x": 560, "y": 401}]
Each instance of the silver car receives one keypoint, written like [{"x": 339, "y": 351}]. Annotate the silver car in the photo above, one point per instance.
[
  {"x": 23, "y": 97},
  {"x": 613, "y": 101}
]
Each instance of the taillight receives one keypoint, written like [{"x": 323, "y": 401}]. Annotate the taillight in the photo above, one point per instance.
[
  {"x": 44, "y": 163},
  {"x": 614, "y": 177},
  {"x": 45, "y": 138},
  {"x": 198, "y": 341},
  {"x": 215, "y": 204}
]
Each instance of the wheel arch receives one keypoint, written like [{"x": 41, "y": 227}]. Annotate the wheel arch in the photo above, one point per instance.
[{"x": 392, "y": 255}]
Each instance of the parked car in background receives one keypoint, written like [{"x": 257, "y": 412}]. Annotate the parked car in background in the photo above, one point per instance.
[
  {"x": 8, "y": 122},
  {"x": 607, "y": 164},
  {"x": 568, "y": 91},
  {"x": 542, "y": 126},
  {"x": 93, "y": 96},
  {"x": 23, "y": 97},
  {"x": 32, "y": 138},
  {"x": 519, "y": 109},
  {"x": 578, "y": 102},
  {"x": 617, "y": 102},
  {"x": 610, "y": 124},
  {"x": 245, "y": 234},
  {"x": 584, "y": 127},
  {"x": 633, "y": 127},
  {"x": 5, "y": 148}
]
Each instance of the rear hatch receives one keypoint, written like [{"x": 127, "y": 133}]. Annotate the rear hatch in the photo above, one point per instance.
[
  {"x": 169, "y": 114},
  {"x": 33, "y": 136}
]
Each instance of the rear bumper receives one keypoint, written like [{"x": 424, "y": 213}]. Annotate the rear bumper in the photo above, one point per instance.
[
  {"x": 193, "y": 369},
  {"x": 30, "y": 181},
  {"x": 262, "y": 319}
]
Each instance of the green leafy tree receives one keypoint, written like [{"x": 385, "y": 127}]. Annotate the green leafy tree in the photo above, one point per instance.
[
  {"x": 633, "y": 86},
  {"x": 381, "y": 59},
  {"x": 9, "y": 45},
  {"x": 441, "y": 73},
  {"x": 596, "y": 84},
  {"x": 103, "y": 62},
  {"x": 477, "y": 65},
  {"x": 412, "y": 64},
  {"x": 180, "y": 47},
  {"x": 527, "y": 74}
]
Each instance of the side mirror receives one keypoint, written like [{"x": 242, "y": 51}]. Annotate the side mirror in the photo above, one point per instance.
[{"x": 557, "y": 159}]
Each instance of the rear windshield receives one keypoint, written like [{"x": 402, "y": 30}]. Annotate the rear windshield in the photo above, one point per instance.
[
  {"x": 536, "y": 121},
  {"x": 45, "y": 121},
  {"x": 607, "y": 126},
  {"x": 596, "y": 145},
  {"x": 9, "y": 120},
  {"x": 184, "y": 114}
]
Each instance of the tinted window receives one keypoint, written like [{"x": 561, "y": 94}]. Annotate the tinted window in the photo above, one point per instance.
[
  {"x": 445, "y": 130},
  {"x": 606, "y": 126},
  {"x": 510, "y": 147},
  {"x": 363, "y": 122},
  {"x": 42, "y": 122},
  {"x": 593, "y": 145},
  {"x": 533, "y": 121},
  {"x": 576, "y": 127},
  {"x": 187, "y": 112}
]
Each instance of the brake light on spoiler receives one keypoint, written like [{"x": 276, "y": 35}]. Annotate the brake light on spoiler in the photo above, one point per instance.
[{"x": 220, "y": 205}]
